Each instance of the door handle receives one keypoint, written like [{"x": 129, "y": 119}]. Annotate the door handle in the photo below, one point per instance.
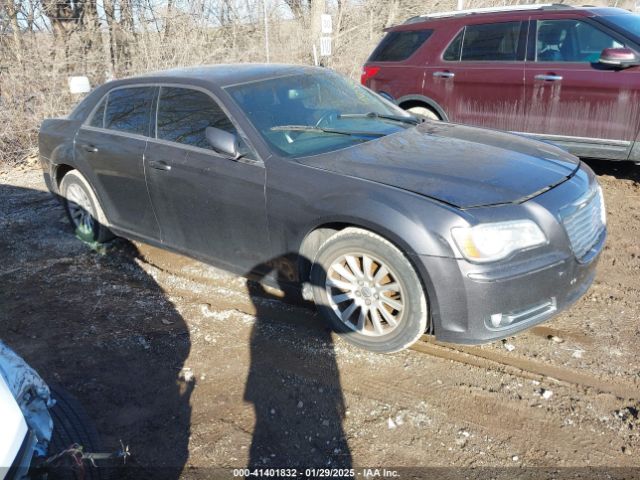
[
  {"x": 90, "y": 148},
  {"x": 160, "y": 165},
  {"x": 549, "y": 78},
  {"x": 444, "y": 74}
]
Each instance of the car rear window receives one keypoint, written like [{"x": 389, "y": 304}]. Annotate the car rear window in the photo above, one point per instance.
[
  {"x": 398, "y": 46},
  {"x": 487, "y": 42}
]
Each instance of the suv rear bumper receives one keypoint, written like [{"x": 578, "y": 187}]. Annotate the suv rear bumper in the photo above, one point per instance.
[{"x": 467, "y": 300}]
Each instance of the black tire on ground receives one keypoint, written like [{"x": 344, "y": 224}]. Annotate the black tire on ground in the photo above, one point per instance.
[
  {"x": 72, "y": 425},
  {"x": 97, "y": 231},
  {"x": 411, "y": 320}
]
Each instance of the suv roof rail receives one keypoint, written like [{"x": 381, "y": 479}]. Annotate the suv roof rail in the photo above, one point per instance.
[{"x": 508, "y": 8}]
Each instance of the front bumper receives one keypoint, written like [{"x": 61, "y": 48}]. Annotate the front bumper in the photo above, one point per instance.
[{"x": 467, "y": 302}]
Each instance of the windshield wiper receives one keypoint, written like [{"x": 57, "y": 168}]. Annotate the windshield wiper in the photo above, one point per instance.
[
  {"x": 382, "y": 116},
  {"x": 313, "y": 128}
]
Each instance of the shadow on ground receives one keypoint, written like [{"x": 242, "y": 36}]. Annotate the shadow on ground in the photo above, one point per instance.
[
  {"x": 296, "y": 392},
  {"x": 95, "y": 323},
  {"x": 99, "y": 326},
  {"x": 621, "y": 170}
]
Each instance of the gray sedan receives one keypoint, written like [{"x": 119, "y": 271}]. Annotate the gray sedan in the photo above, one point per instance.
[{"x": 300, "y": 177}]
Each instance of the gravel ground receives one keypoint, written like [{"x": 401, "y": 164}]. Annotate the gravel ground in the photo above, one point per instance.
[{"x": 195, "y": 369}]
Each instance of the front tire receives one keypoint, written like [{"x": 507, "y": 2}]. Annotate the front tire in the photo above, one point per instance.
[
  {"x": 369, "y": 292},
  {"x": 82, "y": 207}
]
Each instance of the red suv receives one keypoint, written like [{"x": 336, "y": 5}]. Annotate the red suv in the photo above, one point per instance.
[{"x": 555, "y": 72}]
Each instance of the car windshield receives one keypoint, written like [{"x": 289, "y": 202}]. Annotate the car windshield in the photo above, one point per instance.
[
  {"x": 309, "y": 114},
  {"x": 630, "y": 23}
]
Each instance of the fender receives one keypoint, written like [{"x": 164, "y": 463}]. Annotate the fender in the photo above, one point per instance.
[
  {"x": 388, "y": 216},
  {"x": 427, "y": 101}
]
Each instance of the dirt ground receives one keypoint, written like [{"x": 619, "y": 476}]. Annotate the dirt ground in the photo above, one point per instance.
[{"x": 196, "y": 371}]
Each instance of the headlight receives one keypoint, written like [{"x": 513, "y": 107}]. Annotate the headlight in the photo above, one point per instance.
[
  {"x": 488, "y": 242},
  {"x": 603, "y": 212}
]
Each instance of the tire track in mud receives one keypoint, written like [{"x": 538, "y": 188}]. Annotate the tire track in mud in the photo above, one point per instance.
[
  {"x": 524, "y": 367},
  {"x": 469, "y": 355}
]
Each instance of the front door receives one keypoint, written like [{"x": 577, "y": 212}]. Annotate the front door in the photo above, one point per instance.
[
  {"x": 209, "y": 205},
  {"x": 112, "y": 144},
  {"x": 480, "y": 78},
  {"x": 569, "y": 94}
]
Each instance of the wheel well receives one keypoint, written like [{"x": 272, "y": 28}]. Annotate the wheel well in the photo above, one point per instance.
[
  {"x": 319, "y": 235},
  {"x": 61, "y": 171},
  {"x": 417, "y": 103},
  {"x": 311, "y": 244}
]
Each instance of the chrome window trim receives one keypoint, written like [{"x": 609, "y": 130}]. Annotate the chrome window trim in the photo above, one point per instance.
[
  {"x": 85, "y": 124},
  {"x": 119, "y": 133}
]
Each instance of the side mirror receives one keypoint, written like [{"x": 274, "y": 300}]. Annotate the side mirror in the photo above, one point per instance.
[
  {"x": 619, "y": 57},
  {"x": 223, "y": 142}
]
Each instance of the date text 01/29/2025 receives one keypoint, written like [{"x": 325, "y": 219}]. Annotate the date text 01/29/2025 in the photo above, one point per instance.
[{"x": 316, "y": 472}]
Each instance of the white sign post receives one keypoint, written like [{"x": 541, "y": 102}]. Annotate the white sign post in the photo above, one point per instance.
[
  {"x": 326, "y": 29},
  {"x": 326, "y": 23},
  {"x": 325, "y": 46}
]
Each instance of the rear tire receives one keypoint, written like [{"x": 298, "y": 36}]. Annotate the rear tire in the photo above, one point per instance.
[
  {"x": 369, "y": 292},
  {"x": 425, "y": 113},
  {"x": 83, "y": 209}
]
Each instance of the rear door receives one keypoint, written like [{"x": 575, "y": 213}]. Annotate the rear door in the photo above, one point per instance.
[
  {"x": 570, "y": 96},
  {"x": 479, "y": 79},
  {"x": 111, "y": 145},
  {"x": 208, "y": 204}
]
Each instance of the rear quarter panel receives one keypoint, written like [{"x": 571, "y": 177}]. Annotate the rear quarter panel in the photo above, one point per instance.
[{"x": 56, "y": 145}]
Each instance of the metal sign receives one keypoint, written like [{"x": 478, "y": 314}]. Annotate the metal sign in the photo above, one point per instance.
[
  {"x": 79, "y": 84},
  {"x": 325, "y": 46},
  {"x": 326, "y": 23}
]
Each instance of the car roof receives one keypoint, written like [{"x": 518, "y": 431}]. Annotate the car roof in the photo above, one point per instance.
[
  {"x": 226, "y": 74},
  {"x": 496, "y": 13}
]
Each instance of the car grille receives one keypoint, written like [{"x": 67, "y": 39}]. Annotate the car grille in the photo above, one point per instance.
[{"x": 584, "y": 225}]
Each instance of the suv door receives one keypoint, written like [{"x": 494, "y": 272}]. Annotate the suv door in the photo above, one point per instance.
[
  {"x": 208, "y": 204},
  {"x": 569, "y": 94},
  {"x": 112, "y": 143},
  {"x": 479, "y": 79}
]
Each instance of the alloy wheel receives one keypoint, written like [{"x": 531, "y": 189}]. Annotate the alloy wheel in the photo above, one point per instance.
[
  {"x": 80, "y": 208},
  {"x": 365, "y": 294}
]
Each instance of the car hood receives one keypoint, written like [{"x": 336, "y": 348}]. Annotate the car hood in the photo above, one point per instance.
[{"x": 456, "y": 164}]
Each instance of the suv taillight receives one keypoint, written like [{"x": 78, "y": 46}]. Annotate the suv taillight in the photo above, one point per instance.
[{"x": 368, "y": 73}]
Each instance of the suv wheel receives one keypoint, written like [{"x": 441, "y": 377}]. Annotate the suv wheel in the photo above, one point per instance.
[
  {"x": 369, "y": 291},
  {"x": 82, "y": 207},
  {"x": 424, "y": 112}
]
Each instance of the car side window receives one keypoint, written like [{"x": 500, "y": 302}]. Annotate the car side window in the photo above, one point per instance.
[
  {"x": 184, "y": 114},
  {"x": 129, "y": 110},
  {"x": 97, "y": 119},
  {"x": 452, "y": 53},
  {"x": 571, "y": 41},
  {"x": 497, "y": 42}
]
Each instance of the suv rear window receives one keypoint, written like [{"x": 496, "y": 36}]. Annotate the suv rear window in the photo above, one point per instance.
[
  {"x": 487, "y": 42},
  {"x": 398, "y": 46}
]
